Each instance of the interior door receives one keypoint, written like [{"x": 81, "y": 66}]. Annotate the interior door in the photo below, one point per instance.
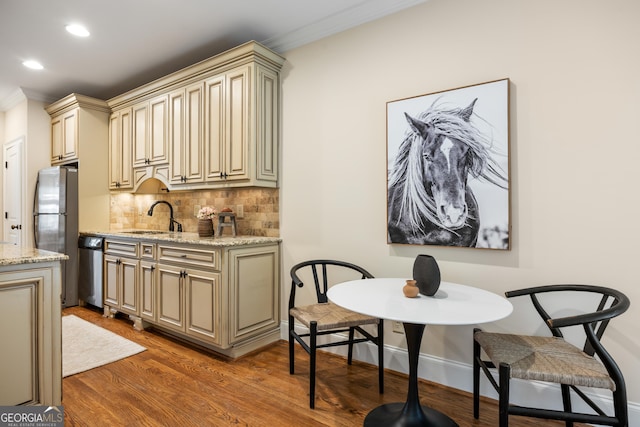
[{"x": 13, "y": 192}]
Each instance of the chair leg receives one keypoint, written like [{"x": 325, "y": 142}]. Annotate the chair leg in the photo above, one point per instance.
[
  {"x": 566, "y": 402},
  {"x": 504, "y": 373},
  {"x": 476, "y": 377},
  {"x": 380, "y": 342},
  {"x": 291, "y": 344},
  {"x": 620, "y": 404},
  {"x": 350, "y": 353},
  {"x": 312, "y": 367}
]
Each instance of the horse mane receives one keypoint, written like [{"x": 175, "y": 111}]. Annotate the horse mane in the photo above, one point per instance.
[{"x": 407, "y": 171}]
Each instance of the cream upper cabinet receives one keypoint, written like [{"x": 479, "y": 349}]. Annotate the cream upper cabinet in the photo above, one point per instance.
[
  {"x": 120, "y": 167},
  {"x": 241, "y": 128},
  {"x": 150, "y": 134},
  {"x": 186, "y": 130},
  {"x": 214, "y": 124},
  {"x": 64, "y": 137},
  {"x": 80, "y": 135},
  {"x": 227, "y": 126}
]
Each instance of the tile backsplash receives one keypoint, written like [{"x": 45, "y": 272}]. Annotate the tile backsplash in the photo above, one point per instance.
[{"x": 260, "y": 206}]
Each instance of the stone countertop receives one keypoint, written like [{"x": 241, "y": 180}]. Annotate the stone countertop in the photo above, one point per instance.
[
  {"x": 14, "y": 255},
  {"x": 185, "y": 238}
]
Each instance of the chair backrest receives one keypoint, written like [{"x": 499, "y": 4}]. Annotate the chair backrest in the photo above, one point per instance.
[
  {"x": 612, "y": 303},
  {"x": 320, "y": 273}
]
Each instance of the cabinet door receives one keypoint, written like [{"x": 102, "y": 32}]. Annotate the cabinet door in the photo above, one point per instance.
[
  {"x": 148, "y": 290},
  {"x": 170, "y": 297},
  {"x": 158, "y": 136},
  {"x": 176, "y": 136},
  {"x": 19, "y": 326},
  {"x": 140, "y": 113},
  {"x": 253, "y": 291},
  {"x": 204, "y": 310},
  {"x": 193, "y": 133},
  {"x": 64, "y": 137},
  {"x": 267, "y": 130},
  {"x": 128, "y": 276},
  {"x": 111, "y": 288},
  {"x": 214, "y": 128},
  {"x": 30, "y": 336},
  {"x": 120, "y": 168},
  {"x": 237, "y": 121}
]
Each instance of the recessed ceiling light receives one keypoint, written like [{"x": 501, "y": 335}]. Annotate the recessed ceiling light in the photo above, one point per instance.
[
  {"x": 34, "y": 65},
  {"x": 77, "y": 30}
]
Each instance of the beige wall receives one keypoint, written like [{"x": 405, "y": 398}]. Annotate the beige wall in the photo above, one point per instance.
[
  {"x": 28, "y": 119},
  {"x": 574, "y": 70}
]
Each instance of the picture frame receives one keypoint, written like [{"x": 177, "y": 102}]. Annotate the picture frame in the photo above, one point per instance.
[{"x": 448, "y": 174}]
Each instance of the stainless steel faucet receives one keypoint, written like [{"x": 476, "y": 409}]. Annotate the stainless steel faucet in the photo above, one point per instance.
[{"x": 172, "y": 221}]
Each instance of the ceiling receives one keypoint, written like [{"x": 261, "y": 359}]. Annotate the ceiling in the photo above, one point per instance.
[{"x": 133, "y": 42}]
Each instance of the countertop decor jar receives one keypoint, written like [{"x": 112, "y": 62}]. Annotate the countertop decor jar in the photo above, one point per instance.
[{"x": 205, "y": 227}]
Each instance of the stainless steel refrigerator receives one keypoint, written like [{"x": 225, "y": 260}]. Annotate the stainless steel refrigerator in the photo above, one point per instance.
[{"x": 55, "y": 221}]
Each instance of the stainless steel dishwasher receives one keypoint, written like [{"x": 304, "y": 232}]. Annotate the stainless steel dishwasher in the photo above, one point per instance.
[{"x": 90, "y": 270}]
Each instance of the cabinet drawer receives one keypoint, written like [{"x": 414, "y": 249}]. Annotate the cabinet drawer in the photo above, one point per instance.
[
  {"x": 147, "y": 251},
  {"x": 120, "y": 247},
  {"x": 203, "y": 258}
]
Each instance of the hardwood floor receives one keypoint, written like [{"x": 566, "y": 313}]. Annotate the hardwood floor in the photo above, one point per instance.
[{"x": 172, "y": 384}]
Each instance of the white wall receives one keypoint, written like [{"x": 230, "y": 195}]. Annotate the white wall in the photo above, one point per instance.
[{"x": 574, "y": 107}]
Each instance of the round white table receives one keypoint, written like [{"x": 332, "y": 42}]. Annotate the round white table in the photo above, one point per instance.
[{"x": 453, "y": 304}]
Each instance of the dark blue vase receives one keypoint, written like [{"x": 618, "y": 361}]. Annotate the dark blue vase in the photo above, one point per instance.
[{"x": 426, "y": 273}]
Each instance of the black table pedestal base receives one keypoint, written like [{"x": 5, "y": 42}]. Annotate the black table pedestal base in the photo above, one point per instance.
[
  {"x": 410, "y": 413},
  {"x": 397, "y": 415}
]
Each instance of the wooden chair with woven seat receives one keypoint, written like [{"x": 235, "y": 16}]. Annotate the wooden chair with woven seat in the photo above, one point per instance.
[
  {"x": 324, "y": 318},
  {"x": 552, "y": 359}
]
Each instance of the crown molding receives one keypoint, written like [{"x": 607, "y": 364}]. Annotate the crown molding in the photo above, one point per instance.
[
  {"x": 359, "y": 14},
  {"x": 13, "y": 99}
]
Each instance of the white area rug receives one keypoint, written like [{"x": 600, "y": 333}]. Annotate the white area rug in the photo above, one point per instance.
[{"x": 86, "y": 346}]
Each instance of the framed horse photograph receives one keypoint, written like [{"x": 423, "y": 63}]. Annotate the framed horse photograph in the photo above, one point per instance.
[{"x": 448, "y": 168}]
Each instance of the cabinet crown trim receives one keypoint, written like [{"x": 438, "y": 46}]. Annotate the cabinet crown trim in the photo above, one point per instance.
[
  {"x": 75, "y": 100},
  {"x": 250, "y": 51}
]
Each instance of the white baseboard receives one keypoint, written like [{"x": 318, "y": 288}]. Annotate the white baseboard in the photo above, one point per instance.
[{"x": 459, "y": 375}]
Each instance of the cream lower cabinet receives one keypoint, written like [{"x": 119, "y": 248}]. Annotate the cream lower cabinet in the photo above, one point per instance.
[
  {"x": 148, "y": 290},
  {"x": 121, "y": 270},
  {"x": 225, "y": 298},
  {"x": 253, "y": 295},
  {"x": 30, "y": 333},
  {"x": 189, "y": 301},
  {"x": 121, "y": 284}
]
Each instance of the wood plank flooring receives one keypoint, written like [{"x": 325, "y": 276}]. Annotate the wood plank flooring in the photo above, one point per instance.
[{"x": 173, "y": 384}]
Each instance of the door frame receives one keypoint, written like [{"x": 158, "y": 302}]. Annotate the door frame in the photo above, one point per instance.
[{"x": 19, "y": 187}]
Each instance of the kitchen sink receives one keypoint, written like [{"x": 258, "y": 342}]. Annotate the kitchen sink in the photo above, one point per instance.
[{"x": 147, "y": 232}]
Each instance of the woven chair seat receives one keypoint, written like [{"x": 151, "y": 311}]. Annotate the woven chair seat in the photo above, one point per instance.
[
  {"x": 330, "y": 316},
  {"x": 549, "y": 359}
]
